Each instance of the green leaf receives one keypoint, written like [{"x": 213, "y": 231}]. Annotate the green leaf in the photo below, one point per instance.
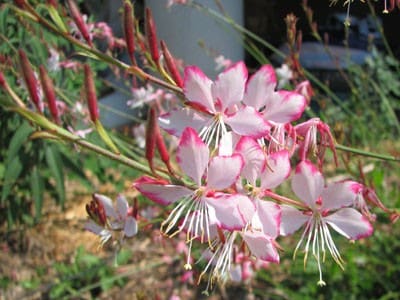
[
  {"x": 37, "y": 188},
  {"x": 56, "y": 18},
  {"x": 55, "y": 165},
  {"x": 76, "y": 168},
  {"x": 12, "y": 172},
  {"x": 18, "y": 139}
]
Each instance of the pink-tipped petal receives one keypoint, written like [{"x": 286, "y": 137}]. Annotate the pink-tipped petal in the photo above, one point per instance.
[
  {"x": 259, "y": 87},
  {"x": 261, "y": 246},
  {"x": 338, "y": 195},
  {"x": 291, "y": 219},
  {"x": 350, "y": 223},
  {"x": 248, "y": 122},
  {"x": 224, "y": 211},
  {"x": 177, "y": 120},
  {"x": 307, "y": 183},
  {"x": 197, "y": 88},
  {"x": 160, "y": 192},
  {"x": 284, "y": 107},
  {"x": 254, "y": 158},
  {"x": 267, "y": 217},
  {"x": 130, "y": 228},
  {"x": 277, "y": 169},
  {"x": 192, "y": 155},
  {"x": 228, "y": 89},
  {"x": 223, "y": 171}
]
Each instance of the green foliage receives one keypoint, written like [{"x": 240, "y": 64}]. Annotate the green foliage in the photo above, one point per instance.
[{"x": 86, "y": 273}]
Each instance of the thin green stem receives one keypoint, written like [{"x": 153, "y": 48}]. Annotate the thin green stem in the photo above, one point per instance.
[{"x": 367, "y": 153}]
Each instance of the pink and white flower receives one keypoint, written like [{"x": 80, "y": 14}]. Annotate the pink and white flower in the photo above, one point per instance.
[
  {"x": 107, "y": 218},
  {"x": 325, "y": 207},
  {"x": 218, "y": 106},
  {"x": 205, "y": 203}
]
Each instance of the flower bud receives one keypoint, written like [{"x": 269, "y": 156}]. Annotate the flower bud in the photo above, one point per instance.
[
  {"x": 152, "y": 36},
  {"x": 95, "y": 210},
  {"x": 30, "y": 80},
  {"x": 78, "y": 19},
  {"x": 129, "y": 27},
  {"x": 2, "y": 80},
  {"x": 20, "y": 3},
  {"x": 151, "y": 137},
  {"x": 171, "y": 65},
  {"x": 91, "y": 94},
  {"x": 48, "y": 89}
]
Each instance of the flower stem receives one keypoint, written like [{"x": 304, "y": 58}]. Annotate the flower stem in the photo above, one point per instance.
[{"x": 367, "y": 153}]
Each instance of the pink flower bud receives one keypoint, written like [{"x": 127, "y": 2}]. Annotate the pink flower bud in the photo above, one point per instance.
[
  {"x": 95, "y": 210},
  {"x": 20, "y": 3},
  {"x": 91, "y": 94},
  {"x": 80, "y": 23},
  {"x": 129, "y": 27},
  {"x": 151, "y": 137},
  {"x": 30, "y": 79},
  {"x": 151, "y": 36},
  {"x": 52, "y": 3},
  {"x": 171, "y": 65},
  {"x": 48, "y": 89},
  {"x": 2, "y": 80}
]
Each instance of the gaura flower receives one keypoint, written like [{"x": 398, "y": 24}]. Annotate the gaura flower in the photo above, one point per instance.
[
  {"x": 326, "y": 207},
  {"x": 216, "y": 107},
  {"x": 206, "y": 202},
  {"x": 105, "y": 218}
]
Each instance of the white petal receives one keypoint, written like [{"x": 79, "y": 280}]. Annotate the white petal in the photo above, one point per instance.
[
  {"x": 261, "y": 246},
  {"x": 108, "y": 205},
  {"x": 228, "y": 89},
  {"x": 338, "y": 195},
  {"x": 161, "y": 192},
  {"x": 223, "y": 171},
  {"x": 267, "y": 217},
  {"x": 350, "y": 223},
  {"x": 259, "y": 87},
  {"x": 284, "y": 107},
  {"x": 122, "y": 206},
  {"x": 197, "y": 88},
  {"x": 248, "y": 122},
  {"x": 307, "y": 183},
  {"x": 291, "y": 219},
  {"x": 192, "y": 155},
  {"x": 225, "y": 209},
  {"x": 177, "y": 120},
  {"x": 130, "y": 228},
  {"x": 254, "y": 158},
  {"x": 276, "y": 171}
]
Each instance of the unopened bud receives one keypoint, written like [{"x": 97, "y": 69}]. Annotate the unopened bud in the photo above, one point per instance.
[
  {"x": 78, "y": 19},
  {"x": 20, "y": 3},
  {"x": 129, "y": 30},
  {"x": 48, "y": 89},
  {"x": 152, "y": 36},
  {"x": 2, "y": 80},
  {"x": 52, "y": 3},
  {"x": 151, "y": 137},
  {"x": 91, "y": 94},
  {"x": 30, "y": 80},
  {"x": 171, "y": 65},
  {"x": 95, "y": 210}
]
